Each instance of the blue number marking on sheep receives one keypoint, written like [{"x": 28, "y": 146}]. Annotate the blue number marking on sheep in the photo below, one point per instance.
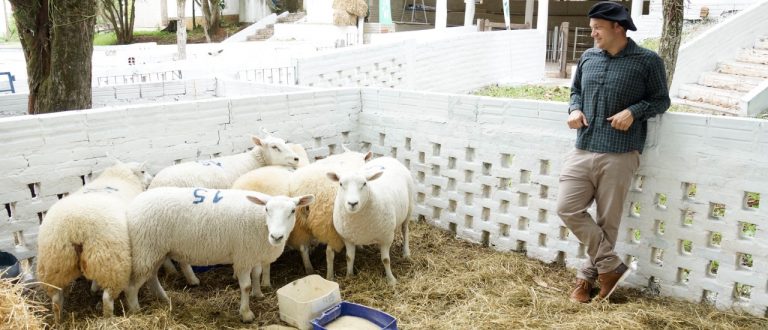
[
  {"x": 217, "y": 197},
  {"x": 106, "y": 189},
  {"x": 210, "y": 163},
  {"x": 198, "y": 198}
]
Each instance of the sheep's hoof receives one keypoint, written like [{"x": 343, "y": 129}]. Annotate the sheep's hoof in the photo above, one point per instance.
[
  {"x": 257, "y": 294},
  {"x": 247, "y": 317},
  {"x": 392, "y": 281}
]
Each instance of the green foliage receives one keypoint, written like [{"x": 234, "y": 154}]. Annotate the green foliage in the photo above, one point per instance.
[
  {"x": 753, "y": 200},
  {"x": 556, "y": 93},
  {"x": 104, "y": 39},
  {"x": 651, "y": 43},
  {"x": 13, "y": 34}
]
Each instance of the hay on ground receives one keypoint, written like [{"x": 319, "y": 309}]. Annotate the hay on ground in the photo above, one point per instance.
[
  {"x": 449, "y": 284},
  {"x": 16, "y": 311}
]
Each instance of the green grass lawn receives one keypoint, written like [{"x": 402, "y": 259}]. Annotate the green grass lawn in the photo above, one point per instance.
[{"x": 531, "y": 92}]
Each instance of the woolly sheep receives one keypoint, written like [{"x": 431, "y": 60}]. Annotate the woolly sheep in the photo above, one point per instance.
[
  {"x": 316, "y": 221},
  {"x": 271, "y": 180},
  {"x": 220, "y": 173},
  {"x": 85, "y": 234},
  {"x": 371, "y": 204},
  {"x": 200, "y": 226}
]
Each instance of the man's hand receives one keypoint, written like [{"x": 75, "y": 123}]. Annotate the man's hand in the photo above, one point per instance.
[
  {"x": 577, "y": 119},
  {"x": 622, "y": 120}
]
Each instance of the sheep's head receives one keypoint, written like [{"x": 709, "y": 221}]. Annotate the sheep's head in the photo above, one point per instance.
[
  {"x": 139, "y": 170},
  {"x": 130, "y": 169},
  {"x": 274, "y": 151},
  {"x": 353, "y": 191},
  {"x": 280, "y": 214}
]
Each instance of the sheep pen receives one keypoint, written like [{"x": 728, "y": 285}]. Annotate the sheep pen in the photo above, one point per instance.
[{"x": 449, "y": 284}]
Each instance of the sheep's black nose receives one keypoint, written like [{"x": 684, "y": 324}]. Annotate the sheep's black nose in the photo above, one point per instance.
[
  {"x": 277, "y": 238},
  {"x": 296, "y": 158},
  {"x": 352, "y": 204}
]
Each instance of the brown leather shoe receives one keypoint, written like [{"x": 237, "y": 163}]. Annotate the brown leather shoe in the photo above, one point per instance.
[
  {"x": 581, "y": 293},
  {"x": 610, "y": 281}
]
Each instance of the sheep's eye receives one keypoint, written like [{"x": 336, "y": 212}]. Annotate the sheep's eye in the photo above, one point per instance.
[
  {"x": 365, "y": 183},
  {"x": 293, "y": 211},
  {"x": 266, "y": 210},
  {"x": 341, "y": 184},
  {"x": 275, "y": 148}
]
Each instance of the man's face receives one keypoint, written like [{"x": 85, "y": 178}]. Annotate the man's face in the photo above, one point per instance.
[{"x": 606, "y": 33}]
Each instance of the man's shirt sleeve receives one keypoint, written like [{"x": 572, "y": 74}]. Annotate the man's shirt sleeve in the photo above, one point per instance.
[{"x": 657, "y": 96}]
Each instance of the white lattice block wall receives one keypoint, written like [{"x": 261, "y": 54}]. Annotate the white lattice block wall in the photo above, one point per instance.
[
  {"x": 453, "y": 63},
  {"x": 48, "y": 156},
  {"x": 487, "y": 169}
]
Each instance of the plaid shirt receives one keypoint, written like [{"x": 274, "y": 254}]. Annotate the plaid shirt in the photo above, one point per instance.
[{"x": 604, "y": 85}]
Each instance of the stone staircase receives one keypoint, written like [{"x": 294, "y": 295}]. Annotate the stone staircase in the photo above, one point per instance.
[
  {"x": 719, "y": 91},
  {"x": 269, "y": 30}
]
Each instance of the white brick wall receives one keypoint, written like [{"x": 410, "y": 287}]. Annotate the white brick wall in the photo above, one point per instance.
[
  {"x": 54, "y": 153},
  {"x": 16, "y": 104},
  {"x": 453, "y": 63},
  {"x": 486, "y": 168}
]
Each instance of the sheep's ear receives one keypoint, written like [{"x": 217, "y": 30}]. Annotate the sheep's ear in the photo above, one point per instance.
[
  {"x": 256, "y": 140},
  {"x": 373, "y": 175},
  {"x": 259, "y": 199},
  {"x": 368, "y": 156},
  {"x": 333, "y": 176},
  {"x": 304, "y": 200}
]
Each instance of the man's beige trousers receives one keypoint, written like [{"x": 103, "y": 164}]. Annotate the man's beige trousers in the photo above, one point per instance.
[{"x": 605, "y": 179}]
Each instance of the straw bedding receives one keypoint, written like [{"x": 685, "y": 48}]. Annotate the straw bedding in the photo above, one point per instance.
[{"x": 449, "y": 284}]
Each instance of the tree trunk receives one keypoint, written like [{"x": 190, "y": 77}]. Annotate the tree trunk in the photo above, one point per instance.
[
  {"x": 212, "y": 15},
  {"x": 671, "y": 35},
  {"x": 181, "y": 30},
  {"x": 206, "y": 17},
  {"x": 58, "y": 46},
  {"x": 121, "y": 16}
]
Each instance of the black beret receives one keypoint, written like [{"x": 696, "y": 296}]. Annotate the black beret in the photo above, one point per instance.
[{"x": 612, "y": 11}]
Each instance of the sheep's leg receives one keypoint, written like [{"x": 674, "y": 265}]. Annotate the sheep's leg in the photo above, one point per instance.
[
  {"x": 107, "y": 303},
  {"x": 255, "y": 275},
  {"x": 244, "y": 279},
  {"x": 350, "y": 257},
  {"x": 265, "y": 281},
  {"x": 406, "y": 246},
  {"x": 157, "y": 289},
  {"x": 329, "y": 256},
  {"x": 304, "y": 250},
  {"x": 57, "y": 298},
  {"x": 385, "y": 260},
  {"x": 168, "y": 266},
  {"x": 132, "y": 295},
  {"x": 94, "y": 286},
  {"x": 189, "y": 274}
]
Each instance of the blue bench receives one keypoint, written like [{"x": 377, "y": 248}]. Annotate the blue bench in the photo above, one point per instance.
[{"x": 11, "y": 78}]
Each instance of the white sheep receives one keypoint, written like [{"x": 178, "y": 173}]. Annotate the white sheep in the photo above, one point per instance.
[
  {"x": 274, "y": 180},
  {"x": 200, "y": 226},
  {"x": 271, "y": 180},
  {"x": 85, "y": 234},
  {"x": 316, "y": 221},
  {"x": 220, "y": 173},
  {"x": 372, "y": 203}
]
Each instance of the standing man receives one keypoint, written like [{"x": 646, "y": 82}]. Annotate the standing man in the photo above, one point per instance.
[{"x": 617, "y": 86}]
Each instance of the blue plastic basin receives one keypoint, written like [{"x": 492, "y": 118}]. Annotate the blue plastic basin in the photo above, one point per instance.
[{"x": 345, "y": 308}]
